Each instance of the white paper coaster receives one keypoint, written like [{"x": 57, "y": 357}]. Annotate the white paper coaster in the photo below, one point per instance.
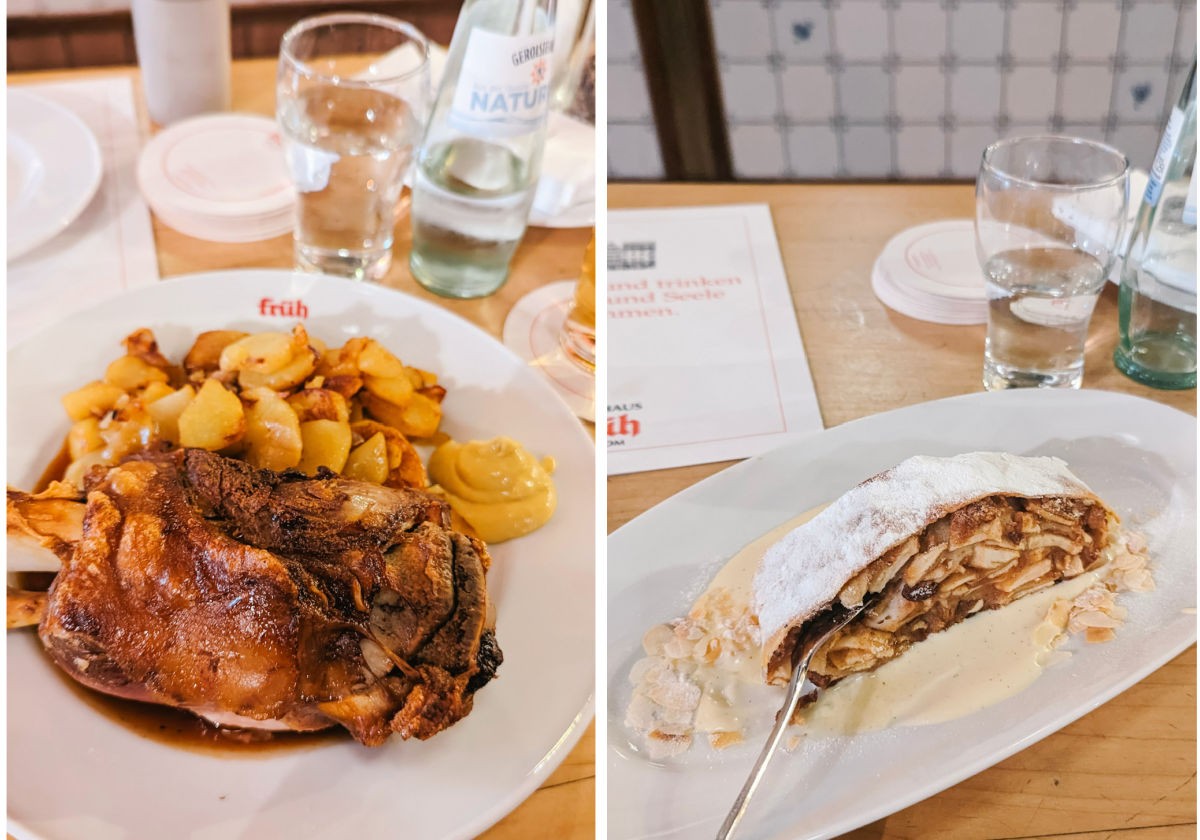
[
  {"x": 220, "y": 177},
  {"x": 925, "y": 307},
  {"x": 532, "y": 332},
  {"x": 936, "y": 259}
]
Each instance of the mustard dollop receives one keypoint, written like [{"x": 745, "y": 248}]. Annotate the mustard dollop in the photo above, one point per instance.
[{"x": 501, "y": 489}]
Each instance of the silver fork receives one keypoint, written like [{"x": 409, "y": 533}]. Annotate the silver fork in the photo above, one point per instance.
[{"x": 815, "y": 636}]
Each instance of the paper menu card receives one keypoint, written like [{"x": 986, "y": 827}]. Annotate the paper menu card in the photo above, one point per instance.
[
  {"x": 705, "y": 357},
  {"x": 109, "y": 248}
]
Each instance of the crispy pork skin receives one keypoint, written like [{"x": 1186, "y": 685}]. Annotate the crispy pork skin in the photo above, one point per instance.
[{"x": 273, "y": 600}]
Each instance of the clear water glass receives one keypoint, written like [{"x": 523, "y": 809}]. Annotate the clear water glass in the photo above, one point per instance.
[
  {"x": 352, "y": 95},
  {"x": 1049, "y": 220}
]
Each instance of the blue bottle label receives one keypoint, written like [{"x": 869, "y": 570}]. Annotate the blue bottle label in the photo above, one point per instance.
[{"x": 1162, "y": 160}]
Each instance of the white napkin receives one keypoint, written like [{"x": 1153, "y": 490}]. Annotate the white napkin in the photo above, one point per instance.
[
  {"x": 110, "y": 247},
  {"x": 568, "y": 166}
]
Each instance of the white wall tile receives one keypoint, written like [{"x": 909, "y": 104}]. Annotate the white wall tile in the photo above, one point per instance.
[
  {"x": 865, "y": 93},
  {"x": 920, "y": 94},
  {"x": 802, "y": 30},
  {"x": 757, "y": 151},
  {"x": 966, "y": 150},
  {"x": 1029, "y": 94},
  {"x": 742, "y": 30},
  {"x": 749, "y": 92},
  {"x": 1140, "y": 93},
  {"x": 1086, "y": 130},
  {"x": 1092, "y": 29},
  {"x": 860, "y": 29},
  {"x": 808, "y": 93},
  {"x": 867, "y": 151},
  {"x": 1149, "y": 31},
  {"x": 1085, "y": 93},
  {"x": 1034, "y": 29},
  {"x": 1185, "y": 32},
  {"x": 1139, "y": 143},
  {"x": 975, "y": 94},
  {"x": 920, "y": 152},
  {"x": 628, "y": 98},
  {"x": 622, "y": 34},
  {"x": 813, "y": 151},
  {"x": 920, "y": 30},
  {"x": 978, "y": 31},
  {"x": 633, "y": 152},
  {"x": 1023, "y": 130}
]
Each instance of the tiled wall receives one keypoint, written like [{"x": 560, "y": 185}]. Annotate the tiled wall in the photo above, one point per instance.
[
  {"x": 917, "y": 88},
  {"x": 632, "y": 143}
]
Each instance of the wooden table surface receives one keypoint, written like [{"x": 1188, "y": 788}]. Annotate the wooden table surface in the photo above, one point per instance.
[
  {"x": 1127, "y": 769},
  {"x": 564, "y": 806}
]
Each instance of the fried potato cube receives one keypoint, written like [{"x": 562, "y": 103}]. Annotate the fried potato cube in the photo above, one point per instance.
[
  {"x": 92, "y": 400},
  {"x": 84, "y": 437},
  {"x": 319, "y": 404},
  {"x": 132, "y": 430},
  {"x": 376, "y": 360},
  {"x": 142, "y": 344},
  {"x": 285, "y": 378},
  {"x": 434, "y": 392},
  {"x": 404, "y": 462},
  {"x": 167, "y": 410},
  {"x": 421, "y": 378},
  {"x": 130, "y": 373},
  {"x": 205, "y": 353},
  {"x": 154, "y": 391},
  {"x": 326, "y": 443},
  {"x": 420, "y": 418},
  {"x": 213, "y": 420},
  {"x": 340, "y": 361},
  {"x": 78, "y": 468},
  {"x": 369, "y": 460},
  {"x": 346, "y": 385},
  {"x": 397, "y": 390},
  {"x": 262, "y": 352},
  {"x": 272, "y": 436}
]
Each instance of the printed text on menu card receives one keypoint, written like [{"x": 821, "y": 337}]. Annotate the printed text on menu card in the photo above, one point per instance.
[{"x": 706, "y": 362}]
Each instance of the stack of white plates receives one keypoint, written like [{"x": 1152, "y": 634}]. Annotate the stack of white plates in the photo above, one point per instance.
[
  {"x": 931, "y": 272},
  {"x": 220, "y": 177}
]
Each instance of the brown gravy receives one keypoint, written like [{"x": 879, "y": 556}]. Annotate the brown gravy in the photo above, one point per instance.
[{"x": 184, "y": 730}]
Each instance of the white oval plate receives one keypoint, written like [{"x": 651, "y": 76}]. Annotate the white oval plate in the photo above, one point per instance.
[
  {"x": 81, "y": 775},
  {"x": 54, "y": 169},
  {"x": 1138, "y": 455}
]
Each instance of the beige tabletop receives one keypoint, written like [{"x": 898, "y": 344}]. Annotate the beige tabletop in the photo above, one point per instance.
[
  {"x": 1127, "y": 769},
  {"x": 564, "y": 806}
]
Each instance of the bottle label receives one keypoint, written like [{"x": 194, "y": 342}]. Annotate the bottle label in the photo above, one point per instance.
[
  {"x": 504, "y": 84},
  {"x": 1162, "y": 160}
]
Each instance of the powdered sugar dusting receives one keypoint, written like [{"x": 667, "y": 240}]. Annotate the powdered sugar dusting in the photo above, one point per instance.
[{"x": 804, "y": 571}]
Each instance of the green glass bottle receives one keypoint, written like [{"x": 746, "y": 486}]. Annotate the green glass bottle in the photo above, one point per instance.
[{"x": 1157, "y": 315}]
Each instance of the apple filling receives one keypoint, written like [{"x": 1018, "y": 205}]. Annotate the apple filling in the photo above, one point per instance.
[{"x": 979, "y": 557}]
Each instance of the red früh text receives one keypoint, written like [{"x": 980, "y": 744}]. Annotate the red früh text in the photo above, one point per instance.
[
  {"x": 282, "y": 308},
  {"x": 623, "y": 425}
]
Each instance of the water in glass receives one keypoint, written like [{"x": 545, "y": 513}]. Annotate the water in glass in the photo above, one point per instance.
[
  {"x": 1040, "y": 301},
  {"x": 348, "y": 149}
]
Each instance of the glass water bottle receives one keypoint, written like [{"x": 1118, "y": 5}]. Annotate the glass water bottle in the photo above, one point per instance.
[
  {"x": 1157, "y": 344},
  {"x": 478, "y": 165}
]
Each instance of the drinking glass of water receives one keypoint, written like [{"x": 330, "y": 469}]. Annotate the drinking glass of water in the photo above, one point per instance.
[
  {"x": 351, "y": 99},
  {"x": 1050, "y": 216}
]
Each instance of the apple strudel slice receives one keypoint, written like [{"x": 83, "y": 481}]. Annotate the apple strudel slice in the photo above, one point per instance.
[{"x": 932, "y": 540}]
